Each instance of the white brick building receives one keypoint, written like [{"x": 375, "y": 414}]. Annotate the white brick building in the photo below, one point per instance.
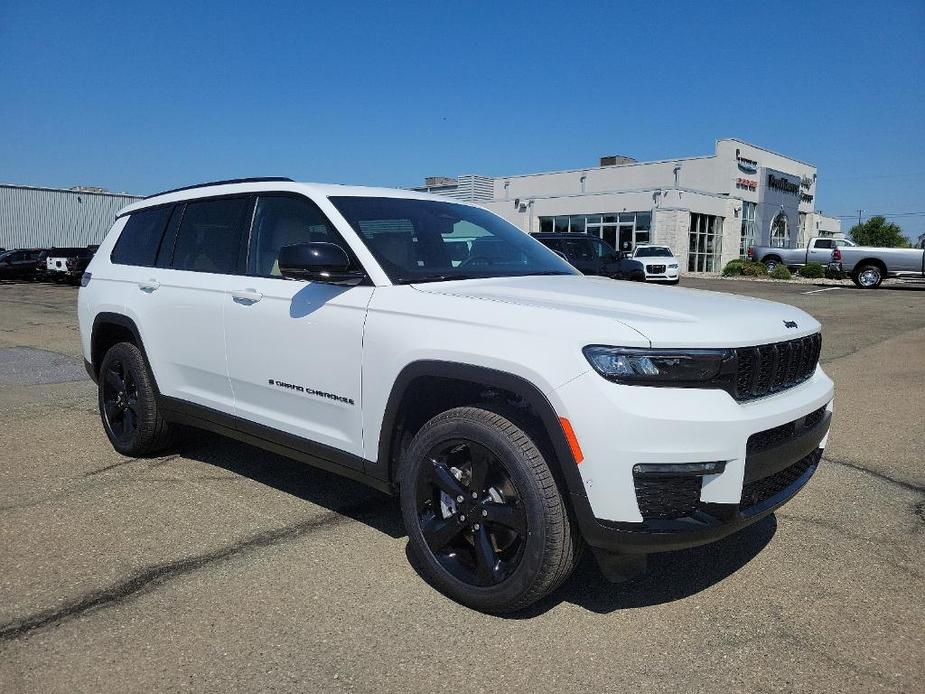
[{"x": 707, "y": 209}]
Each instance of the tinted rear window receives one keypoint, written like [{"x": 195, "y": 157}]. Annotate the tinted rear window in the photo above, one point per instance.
[
  {"x": 141, "y": 237},
  {"x": 210, "y": 235}
]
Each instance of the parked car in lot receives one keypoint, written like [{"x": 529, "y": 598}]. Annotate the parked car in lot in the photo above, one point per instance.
[
  {"x": 818, "y": 250},
  {"x": 67, "y": 264},
  {"x": 869, "y": 266},
  {"x": 659, "y": 262},
  {"x": 18, "y": 264},
  {"x": 592, "y": 255},
  {"x": 517, "y": 408}
]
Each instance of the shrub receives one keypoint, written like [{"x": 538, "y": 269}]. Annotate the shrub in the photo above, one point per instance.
[
  {"x": 751, "y": 269},
  {"x": 833, "y": 273},
  {"x": 781, "y": 273},
  {"x": 733, "y": 268},
  {"x": 814, "y": 270}
]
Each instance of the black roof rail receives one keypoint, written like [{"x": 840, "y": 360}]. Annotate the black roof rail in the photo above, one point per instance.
[{"x": 258, "y": 179}]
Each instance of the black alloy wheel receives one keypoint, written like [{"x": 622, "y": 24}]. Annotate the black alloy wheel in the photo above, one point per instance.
[
  {"x": 487, "y": 524},
  {"x": 120, "y": 401},
  {"x": 128, "y": 403},
  {"x": 470, "y": 513}
]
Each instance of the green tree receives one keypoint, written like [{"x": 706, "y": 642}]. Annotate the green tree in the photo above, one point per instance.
[{"x": 876, "y": 231}]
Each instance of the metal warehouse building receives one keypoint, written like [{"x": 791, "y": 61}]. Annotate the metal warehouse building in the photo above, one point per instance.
[{"x": 34, "y": 217}]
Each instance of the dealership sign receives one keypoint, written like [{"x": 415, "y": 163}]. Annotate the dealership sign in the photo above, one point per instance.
[
  {"x": 747, "y": 183},
  {"x": 783, "y": 185},
  {"x": 747, "y": 165}
]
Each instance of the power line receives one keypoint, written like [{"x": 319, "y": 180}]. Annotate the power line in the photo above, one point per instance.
[{"x": 881, "y": 214}]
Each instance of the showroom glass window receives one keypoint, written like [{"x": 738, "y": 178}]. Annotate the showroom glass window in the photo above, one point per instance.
[
  {"x": 210, "y": 235},
  {"x": 749, "y": 227},
  {"x": 780, "y": 232},
  {"x": 706, "y": 243},
  {"x": 629, "y": 227}
]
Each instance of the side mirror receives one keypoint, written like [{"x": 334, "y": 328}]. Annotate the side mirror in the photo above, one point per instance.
[{"x": 318, "y": 262}]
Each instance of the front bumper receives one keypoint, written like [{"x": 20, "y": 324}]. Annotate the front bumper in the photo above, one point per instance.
[{"x": 621, "y": 426}]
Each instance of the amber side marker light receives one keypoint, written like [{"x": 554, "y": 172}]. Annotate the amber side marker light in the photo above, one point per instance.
[{"x": 572, "y": 441}]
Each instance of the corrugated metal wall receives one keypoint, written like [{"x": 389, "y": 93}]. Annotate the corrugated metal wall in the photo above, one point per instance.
[{"x": 45, "y": 217}]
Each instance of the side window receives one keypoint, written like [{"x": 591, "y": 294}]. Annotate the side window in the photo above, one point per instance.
[
  {"x": 141, "y": 237},
  {"x": 823, "y": 243},
  {"x": 209, "y": 237},
  {"x": 282, "y": 220}
]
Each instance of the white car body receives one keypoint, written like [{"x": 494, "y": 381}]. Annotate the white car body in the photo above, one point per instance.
[
  {"x": 320, "y": 362},
  {"x": 661, "y": 268}
]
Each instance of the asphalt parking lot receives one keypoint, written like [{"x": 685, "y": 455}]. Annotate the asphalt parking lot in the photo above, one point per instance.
[{"x": 224, "y": 568}]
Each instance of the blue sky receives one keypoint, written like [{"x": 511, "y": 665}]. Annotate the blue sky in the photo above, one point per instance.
[{"x": 141, "y": 97}]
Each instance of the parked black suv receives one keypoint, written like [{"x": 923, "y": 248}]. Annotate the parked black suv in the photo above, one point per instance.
[
  {"x": 18, "y": 264},
  {"x": 593, "y": 256}
]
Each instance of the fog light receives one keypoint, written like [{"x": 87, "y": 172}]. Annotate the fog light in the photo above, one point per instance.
[{"x": 678, "y": 469}]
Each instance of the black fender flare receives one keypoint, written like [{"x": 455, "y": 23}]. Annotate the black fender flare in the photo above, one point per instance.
[
  {"x": 123, "y": 321},
  {"x": 563, "y": 461}
]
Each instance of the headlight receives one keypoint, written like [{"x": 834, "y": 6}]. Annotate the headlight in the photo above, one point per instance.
[
  {"x": 678, "y": 368},
  {"x": 673, "y": 266}
]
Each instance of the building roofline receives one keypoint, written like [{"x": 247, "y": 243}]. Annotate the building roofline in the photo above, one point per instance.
[
  {"x": 107, "y": 193},
  {"x": 765, "y": 149},
  {"x": 612, "y": 166},
  {"x": 629, "y": 191}
]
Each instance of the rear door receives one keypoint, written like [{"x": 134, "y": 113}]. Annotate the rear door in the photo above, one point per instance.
[
  {"x": 820, "y": 251},
  {"x": 180, "y": 300},
  {"x": 295, "y": 347}
]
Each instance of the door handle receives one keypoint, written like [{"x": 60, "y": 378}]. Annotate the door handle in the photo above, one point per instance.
[
  {"x": 149, "y": 286},
  {"x": 246, "y": 296}
]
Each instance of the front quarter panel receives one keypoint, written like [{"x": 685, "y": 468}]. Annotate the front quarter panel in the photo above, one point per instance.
[{"x": 405, "y": 325}]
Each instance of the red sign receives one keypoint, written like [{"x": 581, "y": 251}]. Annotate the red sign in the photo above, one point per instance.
[{"x": 747, "y": 183}]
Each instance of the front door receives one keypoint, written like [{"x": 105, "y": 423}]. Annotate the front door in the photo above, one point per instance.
[
  {"x": 625, "y": 238},
  {"x": 294, "y": 347}
]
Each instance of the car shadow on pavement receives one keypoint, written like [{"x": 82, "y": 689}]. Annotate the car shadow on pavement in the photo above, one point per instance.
[
  {"x": 670, "y": 576},
  {"x": 328, "y": 490}
]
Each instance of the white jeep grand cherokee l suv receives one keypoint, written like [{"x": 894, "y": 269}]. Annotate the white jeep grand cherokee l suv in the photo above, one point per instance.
[{"x": 433, "y": 350}]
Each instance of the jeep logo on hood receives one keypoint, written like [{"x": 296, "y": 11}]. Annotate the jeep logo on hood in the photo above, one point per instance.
[{"x": 790, "y": 324}]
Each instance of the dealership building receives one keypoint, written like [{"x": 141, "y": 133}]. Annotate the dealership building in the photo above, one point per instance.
[{"x": 707, "y": 209}]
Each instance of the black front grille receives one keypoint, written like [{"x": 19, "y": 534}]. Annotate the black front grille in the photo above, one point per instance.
[
  {"x": 771, "y": 368},
  {"x": 667, "y": 497},
  {"x": 769, "y": 438},
  {"x": 753, "y": 493},
  {"x": 656, "y": 269}
]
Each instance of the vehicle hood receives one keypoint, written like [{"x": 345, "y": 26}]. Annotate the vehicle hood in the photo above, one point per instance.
[{"x": 666, "y": 316}]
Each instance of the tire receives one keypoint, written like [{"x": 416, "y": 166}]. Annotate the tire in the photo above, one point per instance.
[
  {"x": 128, "y": 405},
  {"x": 518, "y": 491},
  {"x": 771, "y": 263},
  {"x": 867, "y": 276}
]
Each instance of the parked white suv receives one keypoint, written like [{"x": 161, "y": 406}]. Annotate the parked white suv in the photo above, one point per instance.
[
  {"x": 431, "y": 349},
  {"x": 659, "y": 262}
]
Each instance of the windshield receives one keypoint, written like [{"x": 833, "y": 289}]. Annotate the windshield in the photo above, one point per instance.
[
  {"x": 653, "y": 252},
  {"x": 430, "y": 241}
]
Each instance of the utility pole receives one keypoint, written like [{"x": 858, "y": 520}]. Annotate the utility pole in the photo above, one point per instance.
[{"x": 859, "y": 217}]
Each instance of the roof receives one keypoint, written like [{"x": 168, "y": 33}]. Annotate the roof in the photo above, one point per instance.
[{"x": 309, "y": 189}]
